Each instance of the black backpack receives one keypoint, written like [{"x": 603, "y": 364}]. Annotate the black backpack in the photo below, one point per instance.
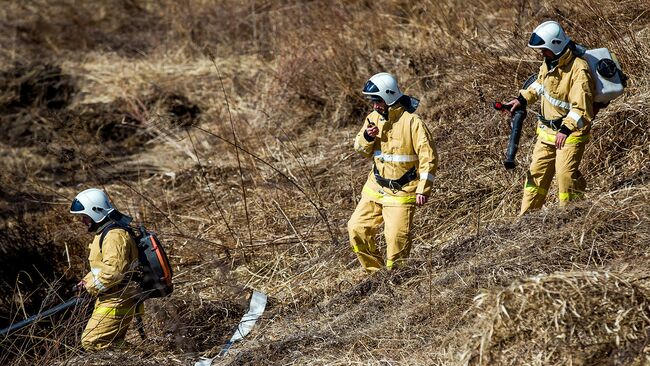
[{"x": 155, "y": 273}]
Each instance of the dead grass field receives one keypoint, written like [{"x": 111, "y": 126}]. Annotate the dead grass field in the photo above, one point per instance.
[{"x": 227, "y": 127}]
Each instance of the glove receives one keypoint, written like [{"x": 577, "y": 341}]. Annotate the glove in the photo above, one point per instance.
[{"x": 80, "y": 287}]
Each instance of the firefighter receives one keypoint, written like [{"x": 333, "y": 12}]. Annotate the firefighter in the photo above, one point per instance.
[
  {"x": 404, "y": 163},
  {"x": 565, "y": 87},
  {"x": 111, "y": 266}
]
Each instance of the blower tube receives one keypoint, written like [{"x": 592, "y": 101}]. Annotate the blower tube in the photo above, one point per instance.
[
  {"x": 44, "y": 314},
  {"x": 516, "y": 122}
]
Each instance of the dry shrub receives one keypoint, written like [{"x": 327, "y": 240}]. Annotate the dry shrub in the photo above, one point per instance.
[
  {"x": 49, "y": 340},
  {"x": 568, "y": 318},
  {"x": 292, "y": 72},
  {"x": 19, "y": 245},
  {"x": 40, "y": 259}
]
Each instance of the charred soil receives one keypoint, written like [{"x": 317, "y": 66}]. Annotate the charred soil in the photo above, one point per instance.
[{"x": 228, "y": 130}]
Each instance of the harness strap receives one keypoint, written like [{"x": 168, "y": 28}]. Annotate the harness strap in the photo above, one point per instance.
[
  {"x": 110, "y": 227},
  {"x": 554, "y": 124},
  {"x": 131, "y": 276},
  {"x": 395, "y": 184}
]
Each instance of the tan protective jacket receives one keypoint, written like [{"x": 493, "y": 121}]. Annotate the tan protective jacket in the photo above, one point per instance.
[
  {"x": 112, "y": 266},
  {"x": 403, "y": 142},
  {"x": 566, "y": 91}
]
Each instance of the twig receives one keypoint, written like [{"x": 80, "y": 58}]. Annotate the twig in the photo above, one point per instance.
[
  {"x": 234, "y": 137},
  {"x": 292, "y": 228},
  {"x": 298, "y": 187},
  {"x": 207, "y": 182}
]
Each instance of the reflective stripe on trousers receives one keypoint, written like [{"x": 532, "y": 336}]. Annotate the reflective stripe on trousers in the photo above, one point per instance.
[
  {"x": 108, "y": 324},
  {"x": 548, "y": 137},
  {"x": 548, "y": 162},
  {"x": 531, "y": 187},
  {"x": 119, "y": 311},
  {"x": 385, "y": 199},
  {"x": 568, "y": 196}
]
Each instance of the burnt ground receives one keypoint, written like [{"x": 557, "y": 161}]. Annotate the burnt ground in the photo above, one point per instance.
[{"x": 125, "y": 96}]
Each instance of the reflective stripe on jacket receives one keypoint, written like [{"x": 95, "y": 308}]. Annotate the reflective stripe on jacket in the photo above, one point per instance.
[
  {"x": 111, "y": 265},
  {"x": 566, "y": 91},
  {"x": 403, "y": 142}
]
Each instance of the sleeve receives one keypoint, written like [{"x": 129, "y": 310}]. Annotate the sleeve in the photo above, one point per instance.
[
  {"x": 534, "y": 91},
  {"x": 114, "y": 264},
  {"x": 427, "y": 156},
  {"x": 363, "y": 143},
  {"x": 581, "y": 97}
]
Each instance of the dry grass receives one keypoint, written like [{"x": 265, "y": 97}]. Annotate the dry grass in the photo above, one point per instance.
[
  {"x": 564, "y": 318},
  {"x": 144, "y": 116}
]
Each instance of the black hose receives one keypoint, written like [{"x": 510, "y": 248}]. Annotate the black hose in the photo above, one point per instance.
[
  {"x": 68, "y": 304},
  {"x": 517, "y": 123}
]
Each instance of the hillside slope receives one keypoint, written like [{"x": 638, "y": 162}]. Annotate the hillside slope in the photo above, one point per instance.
[{"x": 228, "y": 129}]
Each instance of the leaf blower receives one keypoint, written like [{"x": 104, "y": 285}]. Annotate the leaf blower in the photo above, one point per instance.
[{"x": 516, "y": 122}]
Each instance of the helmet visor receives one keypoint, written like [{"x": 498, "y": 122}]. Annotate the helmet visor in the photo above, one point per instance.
[
  {"x": 370, "y": 87},
  {"x": 536, "y": 41},
  {"x": 77, "y": 206}
]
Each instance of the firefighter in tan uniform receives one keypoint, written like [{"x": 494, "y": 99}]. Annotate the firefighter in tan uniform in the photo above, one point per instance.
[
  {"x": 566, "y": 88},
  {"x": 405, "y": 162},
  {"x": 110, "y": 269}
]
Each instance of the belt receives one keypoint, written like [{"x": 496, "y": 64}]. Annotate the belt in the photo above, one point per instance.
[
  {"x": 553, "y": 124},
  {"x": 395, "y": 184}
]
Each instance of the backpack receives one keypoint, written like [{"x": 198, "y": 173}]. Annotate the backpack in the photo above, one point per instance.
[
  {"x": 154, "y": 271},
  {"x": 609, "y": 79}
]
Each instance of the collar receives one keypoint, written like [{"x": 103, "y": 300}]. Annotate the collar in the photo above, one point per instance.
[
  {"x": 395, "y": 112},
  {"x": 101, "y": 227},
  {"x": 565, "y": 59}
]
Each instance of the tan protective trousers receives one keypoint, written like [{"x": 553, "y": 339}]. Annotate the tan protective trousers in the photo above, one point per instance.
[
  {"x": 363, "y": 226},
  {"x": 109, "y": 323},
  {"x": 547, "y": 161}
]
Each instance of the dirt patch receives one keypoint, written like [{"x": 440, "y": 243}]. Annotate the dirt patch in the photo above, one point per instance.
[
  {"x": 35, "y": 85},
  {"x": 182, "y": 112},
  {"x": 15, "y": 203},
  {"x": 33, "y": 111},
  {"x": 80, "y": 143},
  {"x": 200, "y": 327}
]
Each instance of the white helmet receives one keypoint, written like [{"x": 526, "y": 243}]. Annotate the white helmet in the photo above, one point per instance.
[
  {"x": 384, "y": 86},
  {"x": 549, "y": 35},
  {"x": 93, "y": 203}
]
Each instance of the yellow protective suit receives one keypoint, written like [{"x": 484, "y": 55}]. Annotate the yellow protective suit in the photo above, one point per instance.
[
  {"x": 108, "y": 280},
  {"x": 566, "y": 92},
  {"x": 403, "y": 142}
]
